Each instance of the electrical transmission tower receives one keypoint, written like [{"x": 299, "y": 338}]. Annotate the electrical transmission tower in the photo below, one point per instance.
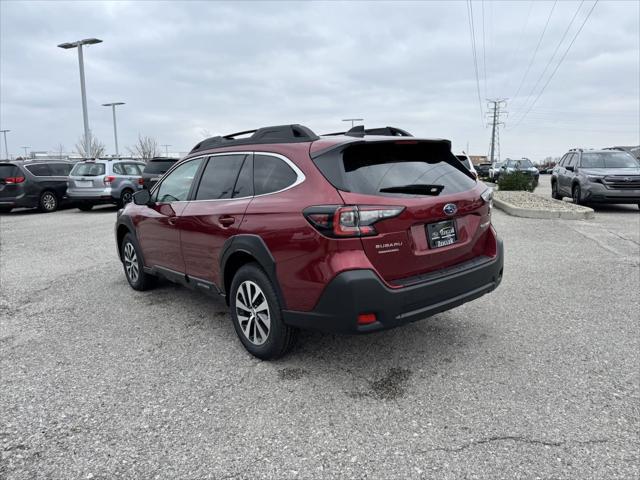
[{"x": 496, "y": 109}]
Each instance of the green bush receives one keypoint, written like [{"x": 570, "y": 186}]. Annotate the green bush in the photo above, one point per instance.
[{"x": 516, "y": 181}]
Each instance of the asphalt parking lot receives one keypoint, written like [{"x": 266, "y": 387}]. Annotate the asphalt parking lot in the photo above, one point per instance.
[{"x": 539, "y": 379}]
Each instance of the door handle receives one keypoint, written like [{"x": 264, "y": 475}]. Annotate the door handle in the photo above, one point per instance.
[
  {"x": 172, "y": 220},
  {"x": 227, "y": 220}
]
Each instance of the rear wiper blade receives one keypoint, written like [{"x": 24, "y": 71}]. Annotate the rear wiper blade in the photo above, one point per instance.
[{"x": 415, "y": 188}]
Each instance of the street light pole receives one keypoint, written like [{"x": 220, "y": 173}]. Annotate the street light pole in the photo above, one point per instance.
[
  {"x": 25, "y": 152},
  {"x": 166, "y": 149},
  {"x": 6, "y": 150},
  {"x": 353, "y": 120},
  {"x": 115, "y": 128},
  {"x": 83, "y": 90}
]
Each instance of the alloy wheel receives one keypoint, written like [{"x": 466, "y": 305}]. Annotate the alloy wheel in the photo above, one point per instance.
[
  {"x": 49, "y": 202},
  {"x": 127, "y": 196},
  {"x": 131, "y": 263},
  {"x": 253, "y": 313}
]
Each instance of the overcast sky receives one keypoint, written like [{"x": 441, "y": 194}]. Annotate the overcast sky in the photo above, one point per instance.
[{"x": 186, "y": 67}]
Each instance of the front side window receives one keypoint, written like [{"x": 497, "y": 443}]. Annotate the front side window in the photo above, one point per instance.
[
  {"x": 571, "y": 161},
  {"x": 176, "y": 186},
  {"x": 219, "y": 177},
  {"x": 271, "y": 174},
  {"x": 39, "y": 170}
]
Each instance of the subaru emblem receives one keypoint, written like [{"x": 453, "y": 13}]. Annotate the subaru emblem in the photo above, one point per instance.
[{"x": 450, "y": 209}]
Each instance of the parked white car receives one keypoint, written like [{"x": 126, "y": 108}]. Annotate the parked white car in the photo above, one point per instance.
[{"x": 466, "y": 161}]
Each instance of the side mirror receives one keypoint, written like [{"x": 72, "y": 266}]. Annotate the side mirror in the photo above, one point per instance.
[
  {"x": 569, "y": 168},
  {"x": 142, "y": 197}
]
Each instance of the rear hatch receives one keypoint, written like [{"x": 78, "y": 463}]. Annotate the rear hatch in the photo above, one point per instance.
[
  {"x": 11, "y": 180},
  {"x": 444, "y": 219},
  {"x": 88, "y": 176}
]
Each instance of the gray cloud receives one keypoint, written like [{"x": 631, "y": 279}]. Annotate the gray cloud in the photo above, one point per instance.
[{"x": 187, "y": 66}]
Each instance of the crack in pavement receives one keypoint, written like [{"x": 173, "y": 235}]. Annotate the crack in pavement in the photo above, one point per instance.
[{"x": 512, "y": 438}]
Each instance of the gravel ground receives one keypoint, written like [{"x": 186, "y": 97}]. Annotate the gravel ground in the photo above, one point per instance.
[
  {"x": 537, "y": 202},
  {"x": 539, "y": 379}
]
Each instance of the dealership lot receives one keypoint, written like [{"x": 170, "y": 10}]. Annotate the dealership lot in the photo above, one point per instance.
[{"x": 540, "y": 378}]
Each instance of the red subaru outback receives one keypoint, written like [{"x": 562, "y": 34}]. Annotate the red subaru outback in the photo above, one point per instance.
[{"x": 352, "y": 232}]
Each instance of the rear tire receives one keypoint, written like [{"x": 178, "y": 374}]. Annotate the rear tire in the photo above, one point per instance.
[
  {"x": 133, "y": 266},
  {"x": 554, "y": 191},
  {"x": 576, "y": 195},
  {"x": 48, "y": 202},
  {"x": 85, "y": 207},
  {"x": 257, "y": 315},
  {"x": 125, "y": 197}
]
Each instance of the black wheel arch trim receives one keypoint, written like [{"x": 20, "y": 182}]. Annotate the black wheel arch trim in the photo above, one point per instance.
[
  {"x": 125, "y": 221},
  {"x": 254, "y": 246}
]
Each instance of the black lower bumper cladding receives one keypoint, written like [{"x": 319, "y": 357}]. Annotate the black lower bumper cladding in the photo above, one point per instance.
[{"x": 356, "y": 292}]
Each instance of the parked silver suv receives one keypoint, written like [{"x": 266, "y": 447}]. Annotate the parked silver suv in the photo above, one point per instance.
[
  {"x": 94, "y": 182},
  {"x": 597, "y": 176}
]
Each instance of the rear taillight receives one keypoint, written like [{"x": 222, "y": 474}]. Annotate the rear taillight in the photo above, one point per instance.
[
  {"x": 109, "y": 179},
  {"x": 140, "y": 181},
  {"x": 9, "y": 180},
  {"x": 341, "y": 221}
]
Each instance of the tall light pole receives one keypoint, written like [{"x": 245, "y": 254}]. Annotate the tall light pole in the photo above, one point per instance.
[
  {"x": 25, "y": 152},
  {"x": 166, "y": 149},
  {"x": 83, "y": 91},
  {"x": 6, "y": 150},
  {"x": 353, "y": 120},
  {"x": 115, "y": 128}
]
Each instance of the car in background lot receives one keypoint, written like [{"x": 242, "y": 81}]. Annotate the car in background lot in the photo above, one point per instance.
[
  {"x": 154, "y": 169},
  {"x": 466, "y": 161},
  {"x": 523, "y": 166},
  {"x": 348, "y": 233},
  {"x": 483, "y": 169},
  {"x": 33, "y": 184},
  {"x": 95, "y": 182},
  {"x": 597, "y": 176},
  {"x": 494, "y": 171}
]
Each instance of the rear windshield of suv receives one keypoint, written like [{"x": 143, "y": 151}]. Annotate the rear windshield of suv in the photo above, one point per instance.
[
  {"x": 87, "y": 169},
  {"x": 8, "y": 170},
  {"x": 158, "y": 166},
  {"x": 393, "y": 169},
  {"x": 608, "y": 160}
]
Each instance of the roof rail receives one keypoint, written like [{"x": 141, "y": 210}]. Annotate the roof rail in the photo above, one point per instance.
[
  {"x": 275, "y": 134},
  {"x": 575, "y": 149},
  {"x": 360, "y": 131}
]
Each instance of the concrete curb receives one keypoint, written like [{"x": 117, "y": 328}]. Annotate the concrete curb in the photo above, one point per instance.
[{"x": 511, "y": 209}]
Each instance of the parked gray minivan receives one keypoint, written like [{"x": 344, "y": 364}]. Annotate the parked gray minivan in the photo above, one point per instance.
[{"x": 94, "y": 182}]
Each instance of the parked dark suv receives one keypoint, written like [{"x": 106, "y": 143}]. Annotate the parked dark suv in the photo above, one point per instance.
[
  {"x": 155, "y": 168},
  {"x": 348, "y": 233},
  {"x": 597, "y": 176},
  {"x": 33, "y": 184}
]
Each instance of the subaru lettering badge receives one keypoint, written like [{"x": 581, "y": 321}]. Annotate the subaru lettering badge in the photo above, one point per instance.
[{"x": 450, "y": 209}]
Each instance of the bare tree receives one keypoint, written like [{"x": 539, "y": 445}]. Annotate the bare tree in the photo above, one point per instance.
[
  {"x": 146, "y": 148},
  {"x": 96, "y": 147},
  {"x": 60, "y": 150}
]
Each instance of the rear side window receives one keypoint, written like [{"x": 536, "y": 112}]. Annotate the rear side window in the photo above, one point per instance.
[
  {"x": 158, "y": 167},
  {"x": 88, "y": 169},
  {"x": 60, "y": 169},
  {"x": 271, "y": 174},
  {"x": 392, "y": 169},
  {"x": 219, "y": 177},
  {"x": 39, "y": 170}
]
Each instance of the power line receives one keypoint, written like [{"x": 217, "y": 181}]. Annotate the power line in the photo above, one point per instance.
[
  {"x": 553, "y": 56},
  {"x": 564, "y": 55},
  {"x": 475, "y": 55},
  {"x": 516, "y": 50},
  {"x": 535, "y": 52},
  {"x": 484, "y": 53}
]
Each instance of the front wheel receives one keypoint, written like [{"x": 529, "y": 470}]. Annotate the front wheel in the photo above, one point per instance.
[
  {"x": 576, "y": 195},
  {"x": 256, "y": 314},
  {"x": 125, "y": 197},
  {"x": 133, "y": 267},
  {"x": 48, "y": 202}
]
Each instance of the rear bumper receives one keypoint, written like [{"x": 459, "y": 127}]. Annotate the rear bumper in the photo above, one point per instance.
[
  {"x": 21, "y": 200},
  {"x": 356, "y": 292},
  {"x": 102, "y": 195}
]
